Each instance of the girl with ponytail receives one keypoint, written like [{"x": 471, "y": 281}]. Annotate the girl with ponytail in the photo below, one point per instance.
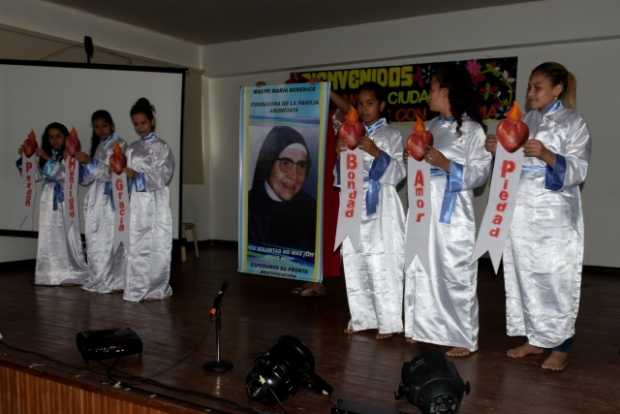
[
  {"x": 150, "y": 166},
  {"x": 543, "y": 256}
]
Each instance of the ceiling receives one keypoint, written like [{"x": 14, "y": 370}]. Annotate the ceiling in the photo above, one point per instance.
[{"x": 209, "y": 21}]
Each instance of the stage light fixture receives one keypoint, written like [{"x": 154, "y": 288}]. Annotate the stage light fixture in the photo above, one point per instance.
[
  {"x": 281, "y": 371},
  {"x": 432, "y": 383}
]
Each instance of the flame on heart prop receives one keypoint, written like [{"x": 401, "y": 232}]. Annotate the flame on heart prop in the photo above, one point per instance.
[
  {"x": 419, "y": 140},
  {"x": 30, "y": 144},
  {"x": 351, "y": 165},
  {"x": 29, "y": 162},
  {"x": 118, "y": 161},
  {"x": 418, "y": 191},
  {"x": 351, "y": 130},
  {"x": 120, "y": 197},
  {"x": 511, "y": 133}
]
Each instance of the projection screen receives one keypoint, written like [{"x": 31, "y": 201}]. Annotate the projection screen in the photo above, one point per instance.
[{"x": 34, "y": 94}]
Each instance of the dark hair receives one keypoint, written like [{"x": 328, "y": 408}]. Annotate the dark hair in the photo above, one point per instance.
[
  {"x": 461, "y": 94},
  {"x": 559, "y": 75},
  {"x": 46, "y": 145},
  {"x": 375, "y": 88},
  {"x": 276, "y": 140},
  {"x": 143, "y": 106},
  {"x": 95, "y": 140}
]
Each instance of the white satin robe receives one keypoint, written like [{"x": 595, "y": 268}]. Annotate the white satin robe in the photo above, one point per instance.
[
  {"x": 60, "y": 255},
  {"x": 107, "y": 267},
  {"x": 150, "y": 220},
  {"x": 374, "y": 272},
  {"x": 441, "y": 306},
  {"x": 543, "y": 256}
]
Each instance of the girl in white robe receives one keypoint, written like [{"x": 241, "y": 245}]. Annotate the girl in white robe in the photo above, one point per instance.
[
  {"x": 374, "y": 271},
  {"x": 150, "y": 164},
  {"x": 441, "y": 305},
  {"x": 107, "y": 267},
  {"x": 60, "y": 256},
  {"x": 543, "y": 256}
]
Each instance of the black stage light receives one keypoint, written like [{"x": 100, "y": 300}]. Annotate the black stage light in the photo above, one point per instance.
[
  {"x": 432, "y": 383},
  {"x": 278, "y": 373}
]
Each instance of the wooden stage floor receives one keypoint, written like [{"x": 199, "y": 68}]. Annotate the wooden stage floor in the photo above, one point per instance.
[{"x": 178, "y": 338}]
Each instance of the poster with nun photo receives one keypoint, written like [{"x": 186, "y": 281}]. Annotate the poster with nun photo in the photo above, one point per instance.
[{"x": 281, "y": 157}]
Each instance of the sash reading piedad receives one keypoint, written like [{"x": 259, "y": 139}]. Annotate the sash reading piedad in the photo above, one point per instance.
[
  {"x": 500, "y": 208},
  {"x": 29, "y": 162},
  {"x": 512, "y": 133}
]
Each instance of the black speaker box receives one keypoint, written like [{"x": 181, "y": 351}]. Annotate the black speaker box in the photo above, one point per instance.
[{"x": 108, "y": 343}]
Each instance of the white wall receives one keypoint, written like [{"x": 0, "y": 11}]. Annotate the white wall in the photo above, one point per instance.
[
  {"x": 523, "y": 24},
  {"x": 584, "y": 36}
]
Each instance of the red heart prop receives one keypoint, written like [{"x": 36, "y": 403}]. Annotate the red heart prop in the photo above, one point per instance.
[
  {"x": 72, "y": 146},
  {"x": 352, "y": 130},
  {"x": 419, "y": 140},
  {"x": 117, "y": 160},
  {"x": 512, "y": 132},
  {"x": 30, "y": 145}
]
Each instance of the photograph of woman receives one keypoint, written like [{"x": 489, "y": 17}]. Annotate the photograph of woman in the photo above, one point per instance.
[{"x": 281, "y": 213}]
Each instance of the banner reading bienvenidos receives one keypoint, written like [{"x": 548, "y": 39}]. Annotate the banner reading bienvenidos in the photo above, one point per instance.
[{"x": 407, "y": 86}]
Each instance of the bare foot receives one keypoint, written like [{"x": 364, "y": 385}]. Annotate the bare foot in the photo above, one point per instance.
[
  {"x": 524, "y": 350},
  {"x": 410, "y": 340},
  {"x": 458, "y": 352},
  {"x": 313, "y": 289},
  {"x": 384, "y": 336},
  {"x": 301, "y": 288},
  {"x": 557, "y": 361}
]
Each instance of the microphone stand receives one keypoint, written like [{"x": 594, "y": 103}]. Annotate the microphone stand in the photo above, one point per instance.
[{"x": 219, "y": 366}]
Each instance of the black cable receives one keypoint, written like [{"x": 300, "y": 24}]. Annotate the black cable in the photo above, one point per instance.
[
  {"x": 149, "y": 381},
  {"x": 143, "y": 380},
  {"x": 116, "y": 383}
]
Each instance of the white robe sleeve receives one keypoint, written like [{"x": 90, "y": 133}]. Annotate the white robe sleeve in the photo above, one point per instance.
[
  {"x": 157, "y": 173},
  {"x": 475, "y": 171},
  {"x": 571, "y": 165},
  {"x": 93, "y": 171},
  {"x": 392, "y": 155},
  {"x": 54, "y": 170},
  {"x": 98, "y": 169}
]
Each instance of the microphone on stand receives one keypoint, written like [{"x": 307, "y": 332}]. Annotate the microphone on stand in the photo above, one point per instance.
[
  {"x": 88, "y": 48},
  {"x": 217, "y": 301},
  {"x": 219, "y": 366}
]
